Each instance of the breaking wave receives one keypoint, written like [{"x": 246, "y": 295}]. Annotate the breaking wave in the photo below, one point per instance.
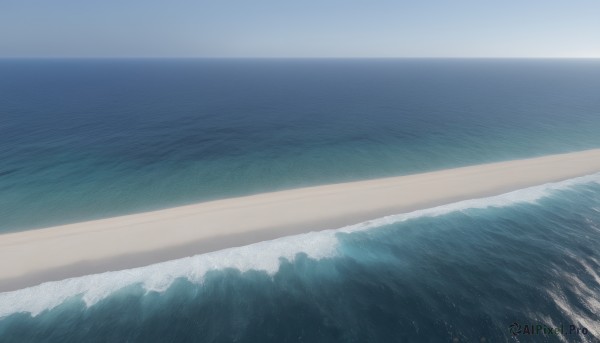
[{"x": 266, "y": 256}]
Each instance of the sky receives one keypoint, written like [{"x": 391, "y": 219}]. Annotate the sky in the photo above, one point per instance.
[{"x": 300, "y": 28}]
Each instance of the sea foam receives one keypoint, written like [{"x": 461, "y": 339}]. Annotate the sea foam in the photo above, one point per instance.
[{"x": 264, "y": 256}]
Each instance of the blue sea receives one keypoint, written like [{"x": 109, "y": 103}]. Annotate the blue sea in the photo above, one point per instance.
[{"x": 88, "y": 139}]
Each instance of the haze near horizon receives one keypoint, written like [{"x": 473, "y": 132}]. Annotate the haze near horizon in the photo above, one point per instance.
[{"x": 272, "y": 29}]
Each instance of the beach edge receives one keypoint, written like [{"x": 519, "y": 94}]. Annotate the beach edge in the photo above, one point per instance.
[{"x": 32, "y": 257}]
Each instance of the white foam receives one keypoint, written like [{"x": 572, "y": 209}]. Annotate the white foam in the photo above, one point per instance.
[
  {"x": 260, "y": 256},
  {"x": 525, "y": 195},
  {"x": 158, "y": 277}
]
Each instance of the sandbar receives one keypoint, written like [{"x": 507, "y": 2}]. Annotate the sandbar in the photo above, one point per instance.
[{"x": 31, "y": 257}]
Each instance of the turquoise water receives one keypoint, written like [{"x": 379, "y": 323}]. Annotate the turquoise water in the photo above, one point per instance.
[{"x": 85, "y": 139}]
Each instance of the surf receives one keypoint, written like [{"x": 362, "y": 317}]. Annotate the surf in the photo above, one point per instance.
[{"x": 263, "y": 256}]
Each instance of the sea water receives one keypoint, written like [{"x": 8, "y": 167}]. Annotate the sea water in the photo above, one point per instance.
[{"x": 87, "y": 139}]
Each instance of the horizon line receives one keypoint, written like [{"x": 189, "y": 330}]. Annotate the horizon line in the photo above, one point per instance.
[{"x": 296, "y": 58}]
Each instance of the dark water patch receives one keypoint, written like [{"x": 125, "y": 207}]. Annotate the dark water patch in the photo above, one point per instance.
[{"x": 7, "y": 172}]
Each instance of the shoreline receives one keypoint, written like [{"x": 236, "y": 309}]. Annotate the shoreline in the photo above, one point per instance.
[{"x": 31, "y": 257}]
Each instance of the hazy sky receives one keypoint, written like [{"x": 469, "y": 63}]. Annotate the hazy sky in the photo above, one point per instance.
[{"x": 300, "y": 28}]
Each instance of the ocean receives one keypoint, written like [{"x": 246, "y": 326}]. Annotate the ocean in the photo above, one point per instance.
[{"x": 87, "y": 139}]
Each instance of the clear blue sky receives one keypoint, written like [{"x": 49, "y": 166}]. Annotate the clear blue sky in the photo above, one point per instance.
[{"x": 300, "y": 28}]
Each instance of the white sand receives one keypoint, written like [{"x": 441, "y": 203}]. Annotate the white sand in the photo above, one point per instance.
[{"x": 31, "y": 257}]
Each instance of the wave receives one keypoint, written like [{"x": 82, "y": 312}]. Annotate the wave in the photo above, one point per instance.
[{"x": 264, "y": 256}]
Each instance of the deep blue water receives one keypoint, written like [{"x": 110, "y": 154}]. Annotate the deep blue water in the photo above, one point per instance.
[{"x": 83, "y": 139}]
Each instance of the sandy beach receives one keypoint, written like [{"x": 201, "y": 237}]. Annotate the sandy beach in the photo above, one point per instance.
[{"x": 31, "y": 257}]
